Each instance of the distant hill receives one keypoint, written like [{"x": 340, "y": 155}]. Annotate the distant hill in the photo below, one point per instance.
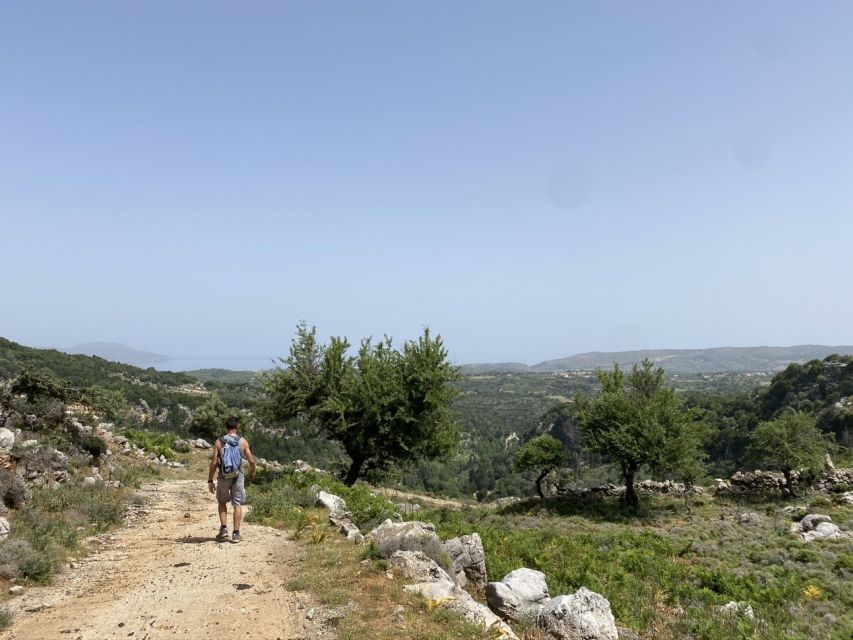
[
  {"x": 82, "y": 370},
  {"x": 222, "y": 375},
  {"x": 716, "y": 360},
  {"x": 115, "y": 352}
]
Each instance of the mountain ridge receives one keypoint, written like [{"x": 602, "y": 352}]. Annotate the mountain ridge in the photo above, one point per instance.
[
  {"x": 709, "y": 360},
  {"x": 117, "y": 352}
]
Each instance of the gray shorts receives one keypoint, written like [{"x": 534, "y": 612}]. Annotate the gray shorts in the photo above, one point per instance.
[{"x": 231, "y": 490}]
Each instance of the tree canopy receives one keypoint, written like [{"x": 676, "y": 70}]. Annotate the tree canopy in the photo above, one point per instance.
[
  {"x": 790, "y": 442},
  {"x": 385, "y": 406},
  {"x": 543, "y": 454},
  {"x": 637, "y": 421},
  {"x": 208, "y": 420}
]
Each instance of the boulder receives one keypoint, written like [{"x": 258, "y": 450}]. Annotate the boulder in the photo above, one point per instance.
[
  {"x": 435, "y": 584},
  {"x": 201, "y": 443},
  {"x": 520, "y": 596},
  {"x": 393, "y": 536},
  {"x": 743, "y": 609},
  {"x": 816, "y": 526},
  {"x": 339, "y": 515},
  {"x": 351, "y": 531},
  {"x": 182, "y": 446},
  {"x": 300, "y": 466},
  {"x": 5, "y": 528},
  {"x": 749, "y": 517},
  {"x": 335, "y": 504},
  {"x": 418, "y": 567},
  {"x": 7, "y": 439},
  {"x": 584, "y": 615},
  {"x": 469, "y": 560},
  {"x": 16, "y": 590},
  {"x": 846, "y": 498}
]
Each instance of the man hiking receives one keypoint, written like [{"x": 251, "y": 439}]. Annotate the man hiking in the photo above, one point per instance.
[{"x": 228, "y": 456}]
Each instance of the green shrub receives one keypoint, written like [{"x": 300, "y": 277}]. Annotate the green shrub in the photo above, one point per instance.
[
  {"x": 13, "y": 490},
  {"x": 12, "y": 553},
  {"x": 94, "y": 445},
  {"x": 5, "y": 618},
  {"x": 52, "y": 524},
  {"x": 38, "y": 567},
  {"x": 159, "y": 444},
  {"x": 132, "y": 475}
]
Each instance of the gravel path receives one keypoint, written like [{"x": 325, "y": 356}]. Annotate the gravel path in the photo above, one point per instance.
[{"x": 164, "y": 576}]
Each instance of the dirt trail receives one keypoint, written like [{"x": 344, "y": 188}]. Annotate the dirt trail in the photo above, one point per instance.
[
  {"x": 164, "y": 576},
  {"x": 427, "y": 501}
]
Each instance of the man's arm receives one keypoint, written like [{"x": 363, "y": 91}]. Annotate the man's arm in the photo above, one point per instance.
[
  {"x": 248, "y": 453},
  {"x": 214, "y": 462}
]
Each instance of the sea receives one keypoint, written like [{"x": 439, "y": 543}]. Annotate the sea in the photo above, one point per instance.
[{"x": 232, "y": 364}]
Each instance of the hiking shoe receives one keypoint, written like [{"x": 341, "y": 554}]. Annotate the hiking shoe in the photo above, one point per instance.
[
  {"x": 235, "y": 537},
  {"x": 222, "y": 536}
]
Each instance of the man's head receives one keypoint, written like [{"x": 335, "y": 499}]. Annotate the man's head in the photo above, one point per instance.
[{"x": 232, "y": 423}]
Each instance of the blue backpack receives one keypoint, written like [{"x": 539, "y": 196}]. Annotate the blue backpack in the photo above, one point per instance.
[{"x": 231, "y": 458}]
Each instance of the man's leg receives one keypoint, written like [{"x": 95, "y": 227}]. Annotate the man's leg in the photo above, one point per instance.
[
  {"x": 238, "y": 499},
  {"x": 223, "y": 514}
]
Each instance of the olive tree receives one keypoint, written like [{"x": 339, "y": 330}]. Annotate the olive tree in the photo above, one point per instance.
[
  {"x": 789, "y": 442},
  {"x": 208, "y": 420},
  {"x": 543, "y": 454},
  {"x": 637, "y": 422},
  {"x": 385, "y": 406}
]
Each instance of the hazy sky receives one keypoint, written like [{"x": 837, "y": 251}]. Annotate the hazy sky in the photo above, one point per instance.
[{"x": 528, "y": 179}]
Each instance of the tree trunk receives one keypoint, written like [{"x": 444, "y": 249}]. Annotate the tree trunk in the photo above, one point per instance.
[
  {"x": 354, "y": 470},
  {"x": 539, "y": 484},
  {"x": 631, "y": 497},
  {"x": 789, "y": 483}
]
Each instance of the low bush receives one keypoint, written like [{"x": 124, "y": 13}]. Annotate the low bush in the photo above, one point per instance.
[
  {"x": 52, "y": 524},
  {"x": 13, "y": 490},
  {"x": 132, "y": 475},
  {"x": 94, "y": 445},
  {"x": 159, "y": 444},
  {"x": 12, "y": 553}
]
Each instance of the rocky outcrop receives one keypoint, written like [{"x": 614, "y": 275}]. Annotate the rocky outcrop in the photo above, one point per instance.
[
  {"x": 520, "y": 596},
  {"x": 201, "y": 443},
  {"x": 7, "y": 439},
  {"x": 300, "y": 466},
  {"x": 435, "y": 584},
  {"x": 469, "y": 560},
  {"x": 393, "y": 536},
  {"x": 815, "y": 526},
  {"x": 584, "y": 615},
  {"x": 5, "y": 528},
  {"x": 339, "y": 515},
  {"x": 845, "y": 498}
]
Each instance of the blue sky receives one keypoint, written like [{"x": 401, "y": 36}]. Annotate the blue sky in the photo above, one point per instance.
[{"x": 530, "y": 180}]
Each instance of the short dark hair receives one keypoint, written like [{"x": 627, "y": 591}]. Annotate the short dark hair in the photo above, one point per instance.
[{"x": 233, "y": 422}]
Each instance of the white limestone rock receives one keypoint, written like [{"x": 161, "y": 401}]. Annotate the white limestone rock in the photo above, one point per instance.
[{"x": 584, "y": 615}]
